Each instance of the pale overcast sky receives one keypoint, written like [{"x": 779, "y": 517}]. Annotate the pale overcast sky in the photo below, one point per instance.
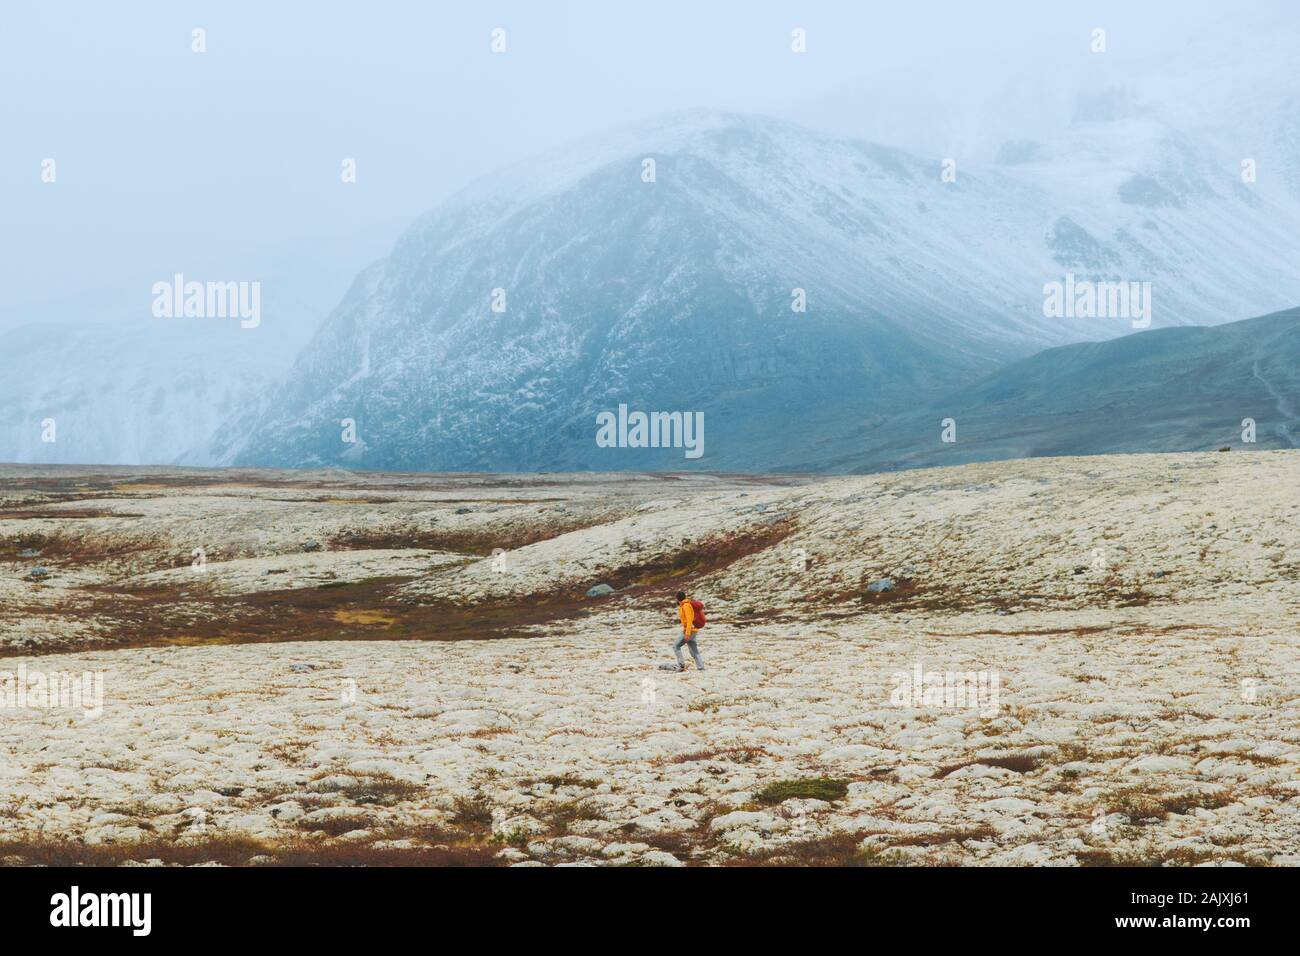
[{"x": 227, "y": 163}]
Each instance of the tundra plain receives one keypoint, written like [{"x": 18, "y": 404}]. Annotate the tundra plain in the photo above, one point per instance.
[{"x": 335, "y": 667}]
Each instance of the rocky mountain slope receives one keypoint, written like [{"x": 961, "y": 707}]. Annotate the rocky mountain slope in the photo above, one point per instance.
[{"x": 676, "y": 294}]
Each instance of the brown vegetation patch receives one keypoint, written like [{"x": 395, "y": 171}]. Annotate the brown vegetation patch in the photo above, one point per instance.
[
  {"x": 839, "y": 849},
  {"x": 698, "y": 559},
  {"x": 26, "y": 514},
  {"x": 730, "y": 754},
  {"x": 560, "y": 817},
  {"x": 473, "y": 813},
  {"x": 381, "y": 789},
  {"x": 1017, "y": 763},
  {"x": 58, "y": 548},
  {"x": 363, "y": 616},
  {"x": 188, "y": 616},
  {"x": 848, "y": 600},
  {"x": 942, "y": 837},
  {"x": 1029, "y": 632},
  {"x": 753, "y": 617},
  {"x": 1150, "y": 856},
  {"x": 680, "y": 843},
  {"x": 240, "y": 851},
  {"x": 479, "y": 542},
  {"x": 336, "y": 826},
  {"x": 1138, "y": 804},
  {"x": 564, "y": 780}
]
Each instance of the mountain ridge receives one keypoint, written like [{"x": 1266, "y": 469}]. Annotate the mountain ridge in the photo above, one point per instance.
[{"x": 610, "y": 283}]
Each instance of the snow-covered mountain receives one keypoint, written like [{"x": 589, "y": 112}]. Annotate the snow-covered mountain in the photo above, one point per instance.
[
  {"x": 677, "y": 294},
  {"x": 121, "y": 393}
]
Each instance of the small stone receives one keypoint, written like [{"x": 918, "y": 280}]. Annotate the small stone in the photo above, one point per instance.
[
  {"x": 660, "y": 858},
  {"x": 880, "y": 586},
  {"x": 747, "y": 819},
  {"x": 600, "y": 590}
]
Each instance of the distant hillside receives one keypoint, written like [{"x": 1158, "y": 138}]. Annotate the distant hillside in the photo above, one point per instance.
[{"x": 1177, "y": 389}]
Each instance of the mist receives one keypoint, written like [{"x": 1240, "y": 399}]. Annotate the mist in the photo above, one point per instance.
[
  {"x": 227, "y": 162},
  {"x": 291, "y": 145}
]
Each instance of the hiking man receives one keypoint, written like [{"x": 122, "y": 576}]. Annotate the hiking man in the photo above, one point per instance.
[{"x": 687, "y": 612}]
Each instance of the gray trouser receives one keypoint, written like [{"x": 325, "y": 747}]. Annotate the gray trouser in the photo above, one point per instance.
[{"x": 693, "y": 644}]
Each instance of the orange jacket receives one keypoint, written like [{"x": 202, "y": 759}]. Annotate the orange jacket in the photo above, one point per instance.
[{"x": 687, "y": 614}]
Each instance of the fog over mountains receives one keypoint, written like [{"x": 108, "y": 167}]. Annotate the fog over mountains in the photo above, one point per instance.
[
  {"x": 819, "y": 299},
  {"x": 677, "y": 294},
  {"x": 120, "y": 394}
]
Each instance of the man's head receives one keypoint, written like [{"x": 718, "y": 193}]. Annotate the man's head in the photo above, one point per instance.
[{"x": 681, "y": 596}]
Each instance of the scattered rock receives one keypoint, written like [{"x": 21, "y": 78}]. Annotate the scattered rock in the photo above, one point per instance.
[
  {"x": 522, "y": 824},
  {"x": 746, "y": 819},
  {"x": 1011, "y": 805},
  {"x": 600, "y": 590},
  {"x": 855, "y": 753},
  {"x": 625, "y": 849},
  {"x": 1027, "y": 854},
  {"x": 660, "y": 858},
  {"x": 744, "y": 840},
  {"x": 287, "y": 811},
  {"x": 1159, "y": 763},
  {"x": 881, "y": 585}
]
